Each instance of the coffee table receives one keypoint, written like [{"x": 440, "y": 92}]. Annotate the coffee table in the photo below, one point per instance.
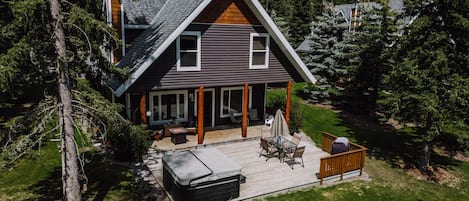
[{"x": 178, "y": 135}]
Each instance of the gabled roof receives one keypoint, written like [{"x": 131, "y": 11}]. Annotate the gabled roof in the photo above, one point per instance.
[
  {"x": 173, "y": 18},
  {"x": 141, "y": 12},
  {"x": 345, "y": 10}
]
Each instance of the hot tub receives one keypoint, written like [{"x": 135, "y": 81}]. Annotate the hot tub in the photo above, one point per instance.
[{"x": 201, "y": 174}]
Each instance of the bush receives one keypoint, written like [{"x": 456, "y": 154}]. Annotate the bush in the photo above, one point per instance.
[
  {"x": 296, "y": 118},
  {"x": 130, "y": 143},
  {"x": 278, "y": 101}
]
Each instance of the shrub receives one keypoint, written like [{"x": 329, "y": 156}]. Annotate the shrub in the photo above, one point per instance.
[
  {"x": 130, "y": 142},
  {"x": 278, "y": 101}
]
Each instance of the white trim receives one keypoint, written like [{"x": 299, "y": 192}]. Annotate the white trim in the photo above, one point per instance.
[
  {"x": 265, "y": 100},
  {"x": 161, "y": 48},
  {"x": 109, "y": 11},
  {"x": 282, "y": 42},
  {"x": 158, "y": 94},
  {"x": 261, "y": 15},
  {"x": 196, "y": 92},
  {"x": 267, "y": 50},
  {"x": 123, "y": 30},
  {"x": 128, "y": 108},
  {"x": 221, "y": 24},
  {"x": 136, "y": 26},
  {"x": 229, "y": 99},
  {"x": 198, "y": 51}
]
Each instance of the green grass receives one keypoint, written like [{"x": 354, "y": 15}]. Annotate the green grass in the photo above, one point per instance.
[
  {"x": 387, "y": 150},
  {"x": 17, "y": 183},
  {"x": 39, "y": 178}
]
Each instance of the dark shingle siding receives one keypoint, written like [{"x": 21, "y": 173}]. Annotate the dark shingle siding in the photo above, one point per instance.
[{"x": 225, "y": 62}]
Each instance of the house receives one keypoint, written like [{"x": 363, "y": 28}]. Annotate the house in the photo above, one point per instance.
[
  {"x": 351, "y": 14},
  {"x": 229, "y": 49}
]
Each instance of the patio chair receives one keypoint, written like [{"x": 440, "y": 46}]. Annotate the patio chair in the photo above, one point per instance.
[
  {"x": 266, "y": 132},
  {"x": 234, "y": 119},
  {"x": 269, "y": 120},
  {"x": 296, "y": 138},
  {"x": 253, "y": 115},
  {"x": 298, "y": 153},
  {"x": 267, "y": 150}
]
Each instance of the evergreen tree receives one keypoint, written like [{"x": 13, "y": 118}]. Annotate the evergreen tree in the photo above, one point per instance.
[
  {"x": 47, "y": 48},
  {"x": 374, "y": 38},
  {"x": 281, "y": 7},
  {"x": 281, "y": 23},
  {"x": 329, "y": 56},
  {"x": 428, "y": 85},
  {"x": 300, "y": 21}
]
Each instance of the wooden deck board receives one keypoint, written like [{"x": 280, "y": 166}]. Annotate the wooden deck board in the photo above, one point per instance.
[{"x": 263, "y": 177}]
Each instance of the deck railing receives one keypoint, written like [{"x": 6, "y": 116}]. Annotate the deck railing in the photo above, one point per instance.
[{"x": 338, "y": 164}]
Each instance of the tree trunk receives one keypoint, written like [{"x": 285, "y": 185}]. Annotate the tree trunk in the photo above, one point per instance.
[
  {"x": 424, "y": 162},
  {"x": 70, "y": 183}
]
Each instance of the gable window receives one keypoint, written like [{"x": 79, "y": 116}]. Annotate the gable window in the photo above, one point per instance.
[
  {"x": 259, "y": 51},
  {"x": 232, "y": 101},
  {"x": 188, "y": 51},
  {"x": 168, "y": 106}
]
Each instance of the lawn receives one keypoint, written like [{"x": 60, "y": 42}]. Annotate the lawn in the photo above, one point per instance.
[
  {"x": 38, "y": 177},
  {"x": 388, "y": 149}
]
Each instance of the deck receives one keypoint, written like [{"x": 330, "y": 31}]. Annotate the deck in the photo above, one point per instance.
[
  {"x": 262, "y": 177},
  {"x": 211, "y": 137}
]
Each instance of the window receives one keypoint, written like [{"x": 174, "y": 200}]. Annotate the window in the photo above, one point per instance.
[
  {"x": 232, "y": 100},
  {"x": 259, "y": 51},
  {"x": 168, "y": 106},
  {"x": 188, "y": 51}
]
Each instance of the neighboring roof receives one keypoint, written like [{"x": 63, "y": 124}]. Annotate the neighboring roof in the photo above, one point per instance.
[
  {"x": 397, "y": 5},
  {"x": 345, "y": 11},
  {"x": 172, "y": 20},
  {"x": 304, "y": 46},
  {"x": 141, "y": 12}
]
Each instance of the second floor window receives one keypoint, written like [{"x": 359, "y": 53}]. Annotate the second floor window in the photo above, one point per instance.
[
  {"x": 259, "y": 51},
  {"x": 188, "y": 51}
]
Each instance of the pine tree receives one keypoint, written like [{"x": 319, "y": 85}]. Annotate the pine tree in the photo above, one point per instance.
[
  {"x": 374, "y": 38},
  {"x": 300, "y": 21},
  {"x": 48, "y": 45},
  {"x": 427, "y": 86},
  {"x": 329, "y": 56}
]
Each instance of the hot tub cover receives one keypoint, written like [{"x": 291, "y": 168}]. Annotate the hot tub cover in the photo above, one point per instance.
[{"x": 200, "y": 165}]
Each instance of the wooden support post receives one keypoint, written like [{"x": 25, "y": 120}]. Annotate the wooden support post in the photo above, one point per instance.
[
  {"x": 288, "y": 104},
  {"x": 200, "y": 116},
  {"x": 244, "y": 129},
  {"x": 143, "y": 109}
]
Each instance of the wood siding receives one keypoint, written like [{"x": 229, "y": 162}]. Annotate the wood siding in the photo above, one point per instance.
[
  {"x": 224, "y": 62},
  {"x": 227, "y": 12},
  {"x": 116, "y": 24}
]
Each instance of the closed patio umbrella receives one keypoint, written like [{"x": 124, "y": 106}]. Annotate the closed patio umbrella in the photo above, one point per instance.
[{"x": 279, "y": 126}]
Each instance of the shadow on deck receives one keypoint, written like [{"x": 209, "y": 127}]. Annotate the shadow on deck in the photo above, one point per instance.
[{"x": 263, "y": 178}]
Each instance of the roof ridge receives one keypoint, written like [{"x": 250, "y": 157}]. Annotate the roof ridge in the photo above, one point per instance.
[{"x": 159, "y": 12}]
